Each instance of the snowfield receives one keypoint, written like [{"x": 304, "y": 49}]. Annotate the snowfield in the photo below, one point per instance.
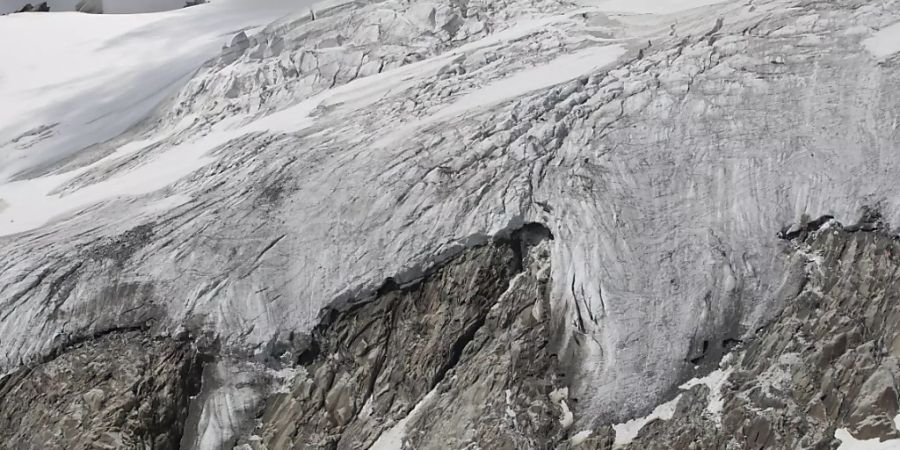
[{"x": 86, "y": 78}]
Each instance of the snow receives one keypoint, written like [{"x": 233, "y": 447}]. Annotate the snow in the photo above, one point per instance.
[
  {"x": 715, "y": 380},
  {"x": 884, "y": 43},
  {"x": 228, "y": 394},
  {"x": 31, "y": 203},
  {"x": 86, "y": 78},
  {"x": 556, "y": 71},
  {"x": 626, "y": 432},
  {"x": 848, "y": 442},
  {"x": 649, "y": 6},
  {"x": 579, "y": 437},
  {"x": 566, "y": 417},
  {"x": 392, "y": 439},
  {"x": 518, "y": 30},
  {"x": 41, "y": 88}
]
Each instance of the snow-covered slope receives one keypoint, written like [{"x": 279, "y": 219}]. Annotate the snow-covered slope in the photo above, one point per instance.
[
  {"x": 79, "y": 79},
  {"x": 664, "y": 145}
]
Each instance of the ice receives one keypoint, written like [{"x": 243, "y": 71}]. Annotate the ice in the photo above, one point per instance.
[
  {"x": 885, "y": 42},
  {"x": 626, "y": 432},
  {"x": 33, "y": 202}
]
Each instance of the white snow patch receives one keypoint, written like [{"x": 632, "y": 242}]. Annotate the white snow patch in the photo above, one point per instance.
[
  {"x": 564, "y": 68},
  {"x": 166, "y": 203},
  {"x": 848, "y": 442},
  {"x": 566, "y": 417},
  {"x": 885, "y": 42},
  {"x": 393, "y": 439},
  {"x": 580, "y": 437},
  {"x": 519, "y": 30},
  {"x": 714, "y": 381},
  {"x": 509, "y": 400},
  {"x": 32, "y": 203},
  {"x": 649, "y": 6},
  {"x": 626, "y": 432}
]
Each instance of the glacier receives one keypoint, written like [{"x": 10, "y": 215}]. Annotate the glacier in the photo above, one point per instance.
[{"x": 237, "y": 169}]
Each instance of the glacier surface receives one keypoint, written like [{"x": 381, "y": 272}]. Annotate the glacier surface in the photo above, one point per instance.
[{"x": 149, "y": 174}]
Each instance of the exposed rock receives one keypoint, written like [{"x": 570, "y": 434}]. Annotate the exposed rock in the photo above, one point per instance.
[
  {"x": 474, "y": 333},
  {"x": 120, "y": 390}
]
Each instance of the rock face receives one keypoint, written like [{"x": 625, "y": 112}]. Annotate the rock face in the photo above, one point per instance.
[
  {"x": 42, "y": 7},
  {"x": 90, "y": 6},
  {"x": 122, "y": 390},
  {"x": 467, "y": 348}
]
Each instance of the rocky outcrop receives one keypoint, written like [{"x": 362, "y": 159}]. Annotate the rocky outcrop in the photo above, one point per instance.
[
  {"x": 42, "y": 7},
  {"x": 90, "y": 6},
  {"x": 459, "y": 357},
  {"x": 120, "y": 390}
]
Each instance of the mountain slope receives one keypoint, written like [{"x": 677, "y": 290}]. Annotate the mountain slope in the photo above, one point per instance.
[{"x": 356, "y": 146}]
